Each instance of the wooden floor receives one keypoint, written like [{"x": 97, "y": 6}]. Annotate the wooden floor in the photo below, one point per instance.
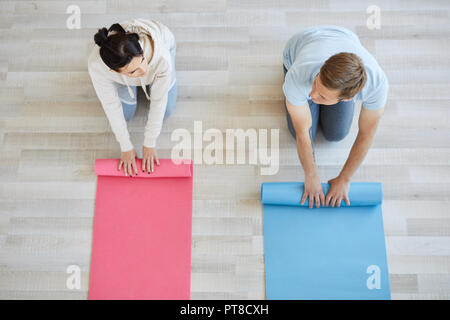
[{"x": 52, "y": 128}]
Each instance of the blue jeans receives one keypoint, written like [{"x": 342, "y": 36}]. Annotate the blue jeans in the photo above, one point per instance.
[
  {"x": 335, "y": 120},
  {"x": 129, "y": 104}
]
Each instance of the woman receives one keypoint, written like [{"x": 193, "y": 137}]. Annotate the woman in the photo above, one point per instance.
[{"x": 137, "y": 52}]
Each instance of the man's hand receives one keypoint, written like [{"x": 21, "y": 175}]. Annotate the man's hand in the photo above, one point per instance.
[
  {"x": 128, "y": 160},
  {"x": 338, "y": 191},
  {"x": 149, "y": 156},
  {"x": 313, "y": 190}
]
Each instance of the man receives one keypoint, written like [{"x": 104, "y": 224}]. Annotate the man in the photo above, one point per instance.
[{"x": 326, "y": 69}]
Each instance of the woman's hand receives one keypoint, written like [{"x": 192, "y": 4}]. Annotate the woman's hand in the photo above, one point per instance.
[
  {"x": 313, "y": 190},
  {"x": 149, "y": 156},
  {"x": 338, "y": 190},
  {"x": 128, "y": 159}
]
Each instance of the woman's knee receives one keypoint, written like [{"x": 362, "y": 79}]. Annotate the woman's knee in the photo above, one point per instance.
[
  {"x": 170, "y": 108},
  {"x": 171, "y": 101},
  {"x": 169, "y": 112},
  {"x": 128, "y": 110}
]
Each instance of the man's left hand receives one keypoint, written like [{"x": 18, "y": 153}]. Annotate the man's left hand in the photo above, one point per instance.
[{"x": 338, "y": 190}]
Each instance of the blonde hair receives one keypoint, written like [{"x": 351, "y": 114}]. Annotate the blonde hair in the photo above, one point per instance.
[{"x": 344, "y": 72}]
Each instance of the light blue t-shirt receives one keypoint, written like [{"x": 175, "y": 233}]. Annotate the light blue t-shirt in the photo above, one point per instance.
[{"x": 308, "y": 50}]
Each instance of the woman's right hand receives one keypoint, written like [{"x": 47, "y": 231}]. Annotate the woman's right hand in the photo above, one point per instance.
[
  {"x": 313, "y": 190},
  {"x": 128, "y": 160}
]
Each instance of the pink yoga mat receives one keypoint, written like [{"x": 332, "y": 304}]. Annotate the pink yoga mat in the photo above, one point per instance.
[{"x": 141, "y": 246}]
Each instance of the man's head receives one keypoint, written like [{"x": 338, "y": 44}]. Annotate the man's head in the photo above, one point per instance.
[{"x": 341, "y": 77}]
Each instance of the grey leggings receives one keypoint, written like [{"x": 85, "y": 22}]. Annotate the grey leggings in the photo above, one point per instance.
[{"x": 335, "y": 120}]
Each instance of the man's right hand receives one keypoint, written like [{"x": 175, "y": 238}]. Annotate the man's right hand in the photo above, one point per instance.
[
  {"x": 313, "y": 190},
  {"x": 128, "y": 160}
]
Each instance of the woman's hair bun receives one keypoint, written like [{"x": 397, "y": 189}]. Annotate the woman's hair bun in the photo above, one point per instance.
[
  {"x": 117, "y": 47},
  {"x": 101, "y": 37}
]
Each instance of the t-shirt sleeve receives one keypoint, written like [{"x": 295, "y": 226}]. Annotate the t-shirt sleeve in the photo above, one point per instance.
[
  {"x": 377, "y": 99},
  {"x": 292, "y": 88}
]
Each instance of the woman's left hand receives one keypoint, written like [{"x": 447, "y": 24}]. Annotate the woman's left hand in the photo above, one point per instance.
[{"x": 149, "y": 157}]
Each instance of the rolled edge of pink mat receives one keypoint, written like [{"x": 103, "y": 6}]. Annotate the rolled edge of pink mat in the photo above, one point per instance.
[{"x": 168, "y": 168}]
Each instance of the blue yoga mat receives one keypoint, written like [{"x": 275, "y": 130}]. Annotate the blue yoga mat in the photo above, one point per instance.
[{"x": 324, "y": 253}]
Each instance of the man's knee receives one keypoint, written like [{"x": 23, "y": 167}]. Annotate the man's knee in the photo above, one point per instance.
[
  {"x": 292, "y": 131},
  {"x": 335, "y": 136}
]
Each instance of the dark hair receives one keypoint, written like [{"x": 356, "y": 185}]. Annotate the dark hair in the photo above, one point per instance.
[
  {"x": 117, "y": 50},
  {"x": 344, "y": 72}
]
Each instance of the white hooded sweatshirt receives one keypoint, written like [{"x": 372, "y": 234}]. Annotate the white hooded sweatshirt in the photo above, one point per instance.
[{"x": 159, "y": 75}]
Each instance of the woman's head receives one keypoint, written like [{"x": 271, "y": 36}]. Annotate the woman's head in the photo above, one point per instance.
[{"x": 121, "y": 51}]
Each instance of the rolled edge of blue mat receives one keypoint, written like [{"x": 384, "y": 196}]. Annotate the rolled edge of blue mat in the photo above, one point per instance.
[{"x": 290, "y": 193}]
